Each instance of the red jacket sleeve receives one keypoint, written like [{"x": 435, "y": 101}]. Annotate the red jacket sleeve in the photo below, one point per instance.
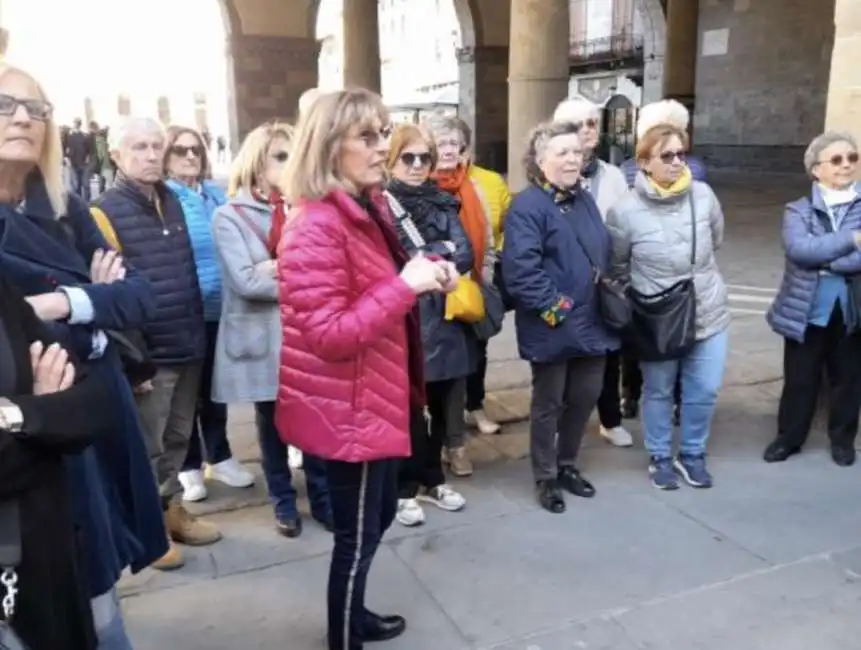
[{"x": 315, "y": 283}]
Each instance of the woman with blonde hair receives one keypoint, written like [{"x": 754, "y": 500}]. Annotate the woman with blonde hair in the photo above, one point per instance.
[
  {"x": 249, "y": 334},
  {"x": 351, "y": 355}
]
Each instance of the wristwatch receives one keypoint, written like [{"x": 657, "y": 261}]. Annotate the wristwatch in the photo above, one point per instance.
[{"x": 11, "y": 417}]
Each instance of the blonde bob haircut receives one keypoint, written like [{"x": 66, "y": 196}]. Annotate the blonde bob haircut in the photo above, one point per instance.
[
  {"x": 313, "y": 170},
  {"x": 50, "y": 161},
  {"x": 248, "y": 166},
  {"x": 404, "y": 136}
]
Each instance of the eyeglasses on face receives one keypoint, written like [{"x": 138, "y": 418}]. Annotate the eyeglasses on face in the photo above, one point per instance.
[
  {"x": 182, "y": 151},
  {"x": 837, "y": 159},
  {"x": 409, "y": 159},
  {"x": 373, "y": 138},
  {"x": 37, "y": 109},
  {"x": 667, "y": 157}
]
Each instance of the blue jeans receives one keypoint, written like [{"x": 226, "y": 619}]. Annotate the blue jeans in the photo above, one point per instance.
[
  {"x": 108, "y": 620},
  {"x": 702, "y": 375},
  {"x": 279, "y": 479}
]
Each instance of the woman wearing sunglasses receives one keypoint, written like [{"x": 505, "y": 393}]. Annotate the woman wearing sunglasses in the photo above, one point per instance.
[
  {"x": 817, "y": 308},
  {"x": 186, "y": 166},
  {"x": 664, "y": 232}
]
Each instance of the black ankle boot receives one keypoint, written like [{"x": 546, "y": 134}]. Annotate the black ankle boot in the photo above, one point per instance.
[
  {"x": 570, "y": 479},
  {"x": 550, "y": 496},
  {"x": 382, "y": 628}
]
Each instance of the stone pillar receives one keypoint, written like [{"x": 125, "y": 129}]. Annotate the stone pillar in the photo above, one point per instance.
[
  {"x": 483, "y": 102},
  {"x": 270, "y": 74},
  {"x": 680, "y": 59},
  {"x": 844, "y": 89},
  {"x": 538, "y": 72},
  {"x": 362, "y": 44}
]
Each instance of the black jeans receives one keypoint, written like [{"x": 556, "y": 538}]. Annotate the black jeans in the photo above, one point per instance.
[
  {"x": 210, "y": 420},
  {"x": 475, "y": 382},
  {"x": 445, "y": 407},
  {"x": 632, "y": 379},
  {"x": 279, "y": 478},
  {"x": 424, "y": 467},
  {"x": 610, "y": 402},
  {"x": 839, "y": 354},
  {"x": 364, "y": 500}
]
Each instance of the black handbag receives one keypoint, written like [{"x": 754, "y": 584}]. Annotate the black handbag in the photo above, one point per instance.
[
  {"x": 494, "y": 313},
  {"x": 663, "y": 325},
  {"x": 10, "y": 559}
]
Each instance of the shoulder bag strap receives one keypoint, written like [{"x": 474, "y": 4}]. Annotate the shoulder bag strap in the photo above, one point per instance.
[
  {"x": 693, "y": 232},
  {"x": 10, "y": 556},
  {"x": 257, "y": 230},
  {"x": 405, "y": 222}
]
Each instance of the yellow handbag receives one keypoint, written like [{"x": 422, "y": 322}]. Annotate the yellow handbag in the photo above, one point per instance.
[{"x": 466, "y": 302}]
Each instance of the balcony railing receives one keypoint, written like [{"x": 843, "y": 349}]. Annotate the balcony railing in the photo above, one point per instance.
[{"x": 621, "y": 46}]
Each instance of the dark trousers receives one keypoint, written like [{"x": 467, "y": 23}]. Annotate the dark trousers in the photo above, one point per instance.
[
  {"x": 563, "y": 396},
  {"x": 81, "y": 182},
  {"x": 424, "y": 467},
  {"x": 364, "y": 501},
  {"x": 279, "y": 478},
  {"x": 632, "y": 379},
  {"x": 445, "y": 407},
  {"x": 610, "y": 401},
  {"x": 475, "y": 382},
  {"x": 210, "y": 419},
  {"x": 839, "y": 354}
]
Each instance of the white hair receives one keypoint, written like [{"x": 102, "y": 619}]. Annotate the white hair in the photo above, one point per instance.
[
  {"x": 133, "y": 125},
  {"x": 308, "y": 98},
  {"x": 577, "y": 109},
  {"x": 667, "y": 112}
]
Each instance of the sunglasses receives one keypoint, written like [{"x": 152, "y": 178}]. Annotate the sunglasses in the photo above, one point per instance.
[
  {"x": 280, "y": 156},
  {"x": 37, "y": 109},
  {"x": 667, "y": 157},
  {"x": 837, "y": 160},
  {"x": 409, "y": 159},
  {"x": 372, "y": 138},
  {"x": 183, "y": 151}
]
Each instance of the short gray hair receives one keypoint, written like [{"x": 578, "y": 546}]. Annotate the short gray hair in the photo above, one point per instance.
[
  {"x": 537, "y": 143},
  {"x": 440, "y": 123},
  {"x": 576, "y": 109},
  {"x": 820, "y": 143},
  {"x": 118, "y": 133}
]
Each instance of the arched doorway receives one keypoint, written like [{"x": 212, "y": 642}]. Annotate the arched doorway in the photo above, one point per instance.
[
  {"x": 618, "y": 138},
  {"x": 654, "y": 48}
]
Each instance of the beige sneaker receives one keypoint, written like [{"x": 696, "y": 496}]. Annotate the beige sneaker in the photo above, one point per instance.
[
  {"x": 459, "y": 462},
  {"x": 479, "y": 420},
  {"x": 185, "y": 528},
  {"x": 170, "y": 561}
]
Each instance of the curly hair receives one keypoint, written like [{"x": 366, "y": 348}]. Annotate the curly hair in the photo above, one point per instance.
[{"x": 539, "y": 138}]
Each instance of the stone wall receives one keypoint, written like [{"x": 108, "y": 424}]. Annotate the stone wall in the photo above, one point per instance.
[
  {"x": 762, "y": 80},
  {"x": 483, "y": 102}
]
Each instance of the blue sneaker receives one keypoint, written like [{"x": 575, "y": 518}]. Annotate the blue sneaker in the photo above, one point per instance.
[
  {"x": 693, "y": 470},
  {"x": 662, "y": 474}
]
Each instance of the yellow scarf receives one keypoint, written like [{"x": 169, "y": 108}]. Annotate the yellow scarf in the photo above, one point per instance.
[{"x": 681, "y": 185}]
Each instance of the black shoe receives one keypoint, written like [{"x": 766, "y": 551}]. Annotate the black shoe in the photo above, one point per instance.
[
  {"x": 630, "y": 408},
  {"x": 550, "y": 496},
  {"x": 843, "y": 456},
  {"x": 570, "y": 479},
  {"x": 382, "y": 628},
  {"x": 289, "y": 527},
  {"x": 778, "y": 451}
]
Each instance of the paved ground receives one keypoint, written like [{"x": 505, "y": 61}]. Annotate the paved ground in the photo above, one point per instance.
[{"x": 770, "y": 558}]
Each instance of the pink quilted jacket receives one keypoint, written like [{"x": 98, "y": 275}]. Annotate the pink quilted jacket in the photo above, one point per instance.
[{"x": 344, "y": 383}]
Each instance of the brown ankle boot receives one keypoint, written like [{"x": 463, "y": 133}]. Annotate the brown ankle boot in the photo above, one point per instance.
[
  {"x": 185, "y": 528},
  {"x": 170, "y": 561}
]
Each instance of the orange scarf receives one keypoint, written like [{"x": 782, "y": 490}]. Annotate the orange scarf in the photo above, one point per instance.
[{"x": 472, "y": 216}]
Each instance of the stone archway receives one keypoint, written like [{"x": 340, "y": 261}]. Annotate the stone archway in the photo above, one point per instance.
[{"x": 654, "y": 48}]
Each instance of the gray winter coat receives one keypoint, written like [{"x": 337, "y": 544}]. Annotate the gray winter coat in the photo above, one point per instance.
[
  {"x": 652, "y": 247},
  {"x": 249, "y": 333}
]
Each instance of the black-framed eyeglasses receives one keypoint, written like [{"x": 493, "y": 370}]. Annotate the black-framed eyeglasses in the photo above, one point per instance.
[
  {"x": 409, "y": 159},
  {"x": 837, "y": 159},
  {"x": 280, "y": 156},
  {"x": 37, "y": 109},
  {"x": 182, "y": 151},
  {"x": 667, "y": 157}
]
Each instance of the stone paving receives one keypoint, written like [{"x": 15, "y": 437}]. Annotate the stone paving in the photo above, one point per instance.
[{"x": 769, "y": 559}]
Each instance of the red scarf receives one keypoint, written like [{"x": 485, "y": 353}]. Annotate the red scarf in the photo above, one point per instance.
[{"x": 279, "y": 217}]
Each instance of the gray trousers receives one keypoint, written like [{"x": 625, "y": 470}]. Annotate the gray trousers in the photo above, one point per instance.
[
  {"x": 167, "y": 413},
  {"x": 563, "y": 396}
]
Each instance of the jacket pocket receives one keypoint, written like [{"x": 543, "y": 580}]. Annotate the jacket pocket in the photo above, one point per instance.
[{"x": 245, "y": 337}]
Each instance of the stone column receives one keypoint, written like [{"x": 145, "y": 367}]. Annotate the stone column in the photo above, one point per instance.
[
  {"x": 270, "y": 73},
  {"x": 538, "y": 71},
  {"x": 362, "y": 44},
  {"x": 844, "y": 89},
  {"x": 680, "y": 60},
  {"x": 483, "y": 101}
]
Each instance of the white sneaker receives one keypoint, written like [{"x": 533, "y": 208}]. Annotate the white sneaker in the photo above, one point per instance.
[
  {"x": 442, "y": 496},
  {"x": 480, "y": 421},
  {"x": 617, "y": 436},
  {"x": 294, "y": 457},
  {"x": 410, "y": 513},
  {"x": 193, "y": 487},
  {"x": 232, "y": 473}
]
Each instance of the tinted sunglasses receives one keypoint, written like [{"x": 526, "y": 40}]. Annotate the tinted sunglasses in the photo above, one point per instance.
[
  {"x": 409, "y": 159},
  {"x": 372, "y": 138},
  {"x": 667, "y": 157},
  {"x": 183, "y": 151},
  {"x": 37, "y": 109},
  {"x": 837, "y": 160}
]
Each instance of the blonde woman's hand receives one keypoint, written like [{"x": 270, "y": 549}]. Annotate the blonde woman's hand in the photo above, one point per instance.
[
  {"x": 422, "y": 275},
  {"x": 107, "y": 267},
  {"x": 269, "y": 267},
  {"x": 450, "y": 276},
  {"x": 52, "y": 371}
]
